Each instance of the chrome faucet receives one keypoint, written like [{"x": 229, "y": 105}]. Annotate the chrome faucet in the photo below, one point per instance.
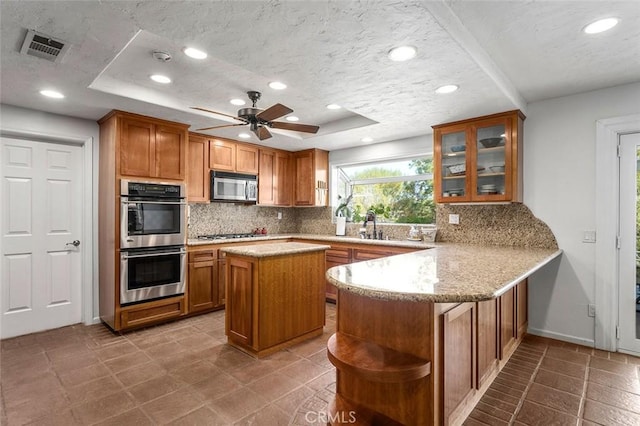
[{"x": 370, "y": 216}]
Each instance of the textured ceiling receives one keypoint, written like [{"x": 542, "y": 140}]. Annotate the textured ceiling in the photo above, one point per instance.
[{"x": 501, "y": 54}]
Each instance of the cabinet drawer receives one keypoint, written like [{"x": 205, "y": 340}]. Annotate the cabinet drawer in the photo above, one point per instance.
[
  {"x": 202, "y": 256},
  {"x": 369, "y": 254},
  {"x": 339, "y": 255},
  {"x": 152, "y": 312}
]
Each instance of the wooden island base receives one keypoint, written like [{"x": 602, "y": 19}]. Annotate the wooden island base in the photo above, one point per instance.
[
  {"x": 419, "y": 363},
  {"x": 275, "y": 296}
]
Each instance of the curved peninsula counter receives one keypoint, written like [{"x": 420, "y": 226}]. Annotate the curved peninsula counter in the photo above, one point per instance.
[{"x": 420, "y": 336}]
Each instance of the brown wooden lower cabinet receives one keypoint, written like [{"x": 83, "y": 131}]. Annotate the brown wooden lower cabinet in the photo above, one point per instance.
[
  {"x": 487, "y": 338},
  {"x": 205, "y": 290},
  {"x": 508, "y": 330},
  {"x": 274, "y": 301},
  {"x": 152, "y": 312},
  {"x": 336, "y": 256},
  {"x": 460, "y": 343}
]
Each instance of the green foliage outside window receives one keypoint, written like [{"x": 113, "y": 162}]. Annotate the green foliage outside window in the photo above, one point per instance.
[{"x": 403, "y": 201}]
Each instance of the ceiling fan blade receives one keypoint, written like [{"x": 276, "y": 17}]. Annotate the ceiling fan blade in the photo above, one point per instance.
[
  {"x": 273, "y": 112},
  {"x": 262, "y": 133},
  {"x": 220, "y": 127},
  {"x": 307, "y": 128},
  {"x": 216, "y": 112}
]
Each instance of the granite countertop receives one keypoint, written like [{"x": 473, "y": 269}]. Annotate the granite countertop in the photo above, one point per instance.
[
  {"x": 274, "y": 249},
  {"x": 315, "y": 237},
  {"x": 448, "y": 273}
]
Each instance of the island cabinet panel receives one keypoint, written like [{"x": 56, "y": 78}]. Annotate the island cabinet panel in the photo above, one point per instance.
[
  {"x": 274, "y": 301},
  {"x": 222, "y": 278},
  {"x": 198, "y": 170},
  {"x": 508, "y": 328},
  {"x": 458, "y": 359},
  {"x": 487, "y": 338},
  {"x": 240, "y": 312},
  {"x": 389, "y": 379}
]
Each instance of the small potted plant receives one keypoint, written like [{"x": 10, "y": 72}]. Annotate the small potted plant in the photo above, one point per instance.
[{"x": 343, "y": 211}]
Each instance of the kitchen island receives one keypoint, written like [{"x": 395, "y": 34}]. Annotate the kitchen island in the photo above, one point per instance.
[
  {"x": 420, "y": 336},
  {"x": 274, "y": 295}
]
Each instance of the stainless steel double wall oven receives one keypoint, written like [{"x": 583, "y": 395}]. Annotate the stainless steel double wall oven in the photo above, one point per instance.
[{"x": 153, "y": 256}]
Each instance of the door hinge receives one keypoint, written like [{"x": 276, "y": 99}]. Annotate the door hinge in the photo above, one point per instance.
[
  {"x": 618, "y": 150},
  {"x": 617, "y": 332},
  {"x": 618, "y": 242}
]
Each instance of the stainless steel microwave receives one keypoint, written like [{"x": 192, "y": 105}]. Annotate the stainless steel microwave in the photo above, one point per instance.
[{"x": 233, "y": 187}]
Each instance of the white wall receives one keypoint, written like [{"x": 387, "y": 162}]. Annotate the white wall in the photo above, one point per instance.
[
  {"x": 383, "y": 151},
  {"x": 17, "y": 121},
  {"x": 559, "y": 188}
]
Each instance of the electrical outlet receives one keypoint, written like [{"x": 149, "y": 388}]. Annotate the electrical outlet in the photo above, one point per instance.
[
  {"x": 454, "y": 219},
  {"x": 279, "y": 215},
  {"x": 592, "y": 310}
]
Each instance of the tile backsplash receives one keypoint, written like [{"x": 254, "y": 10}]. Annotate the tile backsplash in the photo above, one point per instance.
[
  {"x": 229, "y": 218},
  {"x": 489, "y": 224},
  {"x": 502, "y": 224}
]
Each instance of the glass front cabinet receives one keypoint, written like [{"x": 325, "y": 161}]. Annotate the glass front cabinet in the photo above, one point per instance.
[{"x": 479, "y": 160}]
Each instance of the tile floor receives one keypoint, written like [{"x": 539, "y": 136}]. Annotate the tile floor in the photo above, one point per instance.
[{"x": 182, "y": 373}]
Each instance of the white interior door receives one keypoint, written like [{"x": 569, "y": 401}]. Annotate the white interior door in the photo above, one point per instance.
[
  {"x": 41, "y": 198},
  {"x": 629, "y": 266}
]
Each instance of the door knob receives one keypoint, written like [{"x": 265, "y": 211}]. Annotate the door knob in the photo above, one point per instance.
[{"x": 75, "y": 243}]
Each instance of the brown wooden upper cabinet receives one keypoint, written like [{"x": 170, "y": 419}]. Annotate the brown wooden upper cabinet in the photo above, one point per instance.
[
  {"x": 274, "y": 178},
  {"x": 311, "y": 177},
  {"x": 232, "y": 156},
  {"x": 148, "y": 147},
  {"x": 479, "y": 159},
  {"x": 198, "y": 169}
]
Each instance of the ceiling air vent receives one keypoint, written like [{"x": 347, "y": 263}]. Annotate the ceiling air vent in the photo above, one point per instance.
[{"x": 43, "y": 46}]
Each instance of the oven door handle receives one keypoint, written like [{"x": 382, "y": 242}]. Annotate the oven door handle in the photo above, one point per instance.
[
  {"x": 176, "y": 203},
  {"x": 168, "y": 253}
]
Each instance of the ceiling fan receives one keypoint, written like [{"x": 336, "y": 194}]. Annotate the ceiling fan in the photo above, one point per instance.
[{"x": 259, "y": 119}]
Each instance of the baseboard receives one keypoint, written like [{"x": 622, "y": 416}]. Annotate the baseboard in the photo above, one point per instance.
[{"x": 564, "y": 337}]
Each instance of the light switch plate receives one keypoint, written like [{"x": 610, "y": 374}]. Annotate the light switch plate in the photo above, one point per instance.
[
  {"x": 589, "y": 236},
  {"x": 454, "y": 219},
  {"x": 279, "y": 215}
]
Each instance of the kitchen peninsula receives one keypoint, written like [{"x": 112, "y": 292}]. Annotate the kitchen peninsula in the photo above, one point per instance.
[
  {"x": 420, "y": 336},
  {"x": 275, "y": 295}
]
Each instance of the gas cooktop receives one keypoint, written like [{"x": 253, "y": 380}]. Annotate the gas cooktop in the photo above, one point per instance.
[{"x": 226, "y": 236}]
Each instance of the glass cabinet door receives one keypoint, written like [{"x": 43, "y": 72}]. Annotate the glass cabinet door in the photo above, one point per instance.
[
  {"x": 492, "y": 165},
  {"x": 454, "y": 165}
]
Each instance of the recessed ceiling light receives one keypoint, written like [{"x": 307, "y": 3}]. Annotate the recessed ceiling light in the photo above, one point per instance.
[
  {"x": 237, "y": 101},
  {"x": 194, "y": 53},
  {"x": 449, "y": 88},
  {"x": 160, "y": 79},
  {"x": 333, "y": 106},
  {"x": 367, "y": 139},
  {"x": 292, "y": 118},
  {"x": 600, "y": 25},
  {"x": 244, "y": 135},
  {"x": 277, "y": 85},
  {"x": 52, "y": 94},
  {"x": 402, "y": 53}
]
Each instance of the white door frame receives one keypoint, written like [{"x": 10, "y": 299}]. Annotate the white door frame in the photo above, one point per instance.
[
  {"x": 607, "y": 217},
  {"x": 87, "y": 255}
]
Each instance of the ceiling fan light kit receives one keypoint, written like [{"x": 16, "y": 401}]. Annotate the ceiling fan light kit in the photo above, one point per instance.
[{"x": 259, "y": 119}]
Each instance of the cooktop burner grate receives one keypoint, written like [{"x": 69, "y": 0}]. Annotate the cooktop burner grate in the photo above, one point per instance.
[{"x": 225, "y": 236}]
